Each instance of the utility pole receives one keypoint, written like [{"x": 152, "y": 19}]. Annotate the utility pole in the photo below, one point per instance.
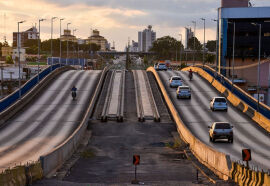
[
  {"x": 51, "y": 40},
  {"x": 39, "y": 44}
]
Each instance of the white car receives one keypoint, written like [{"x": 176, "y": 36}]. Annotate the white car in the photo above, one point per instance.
[
  {"x": 219, "y": 103},
  {"x": 183, "y": 92},
  {"x": 175, "y": 81},
  {"x": 221, "y": 130}
]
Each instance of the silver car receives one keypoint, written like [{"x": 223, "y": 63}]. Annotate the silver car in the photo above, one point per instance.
[
  {"x": 221, "y": 130},
  {"x": 219, "y": 103},
  {"x": 183, "y": 92},
  {"x": 176, "y": 81}
]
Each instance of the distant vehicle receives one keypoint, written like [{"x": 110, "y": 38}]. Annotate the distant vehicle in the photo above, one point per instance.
[
  {"x": 156, "y": 66},
  {"x": 221, "y": 130},
  {"x": 162, "y": 66},
  {"x": 175, "y": 81},
  {"x": 219, "y": 103},
  {"x": 183, "y": 92}
]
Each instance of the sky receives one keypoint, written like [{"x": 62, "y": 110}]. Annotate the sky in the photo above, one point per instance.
[{"x": 117, "y": 20}]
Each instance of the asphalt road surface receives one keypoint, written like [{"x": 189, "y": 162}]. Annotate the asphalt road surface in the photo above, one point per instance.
[
  {"x": 197, "y": 116},
  {"x": 48, "y": 120}
]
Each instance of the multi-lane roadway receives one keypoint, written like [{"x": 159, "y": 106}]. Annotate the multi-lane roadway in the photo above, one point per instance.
[
  {"x": 48, "y": 120},
  {"x": 197, "y": 116}
]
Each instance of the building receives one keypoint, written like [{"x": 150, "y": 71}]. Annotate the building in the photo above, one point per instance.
[
  {"x": 134, "y": 46},
  {"x": 146, "y": 39},
  {"x": 188, "y": 35},
  {"x": 99, "y": 40},
  {"x": 247, "y": 21},
  {"x": 22, "y": 55},
  {"x": 67, "y": 36},
  {"x": 31, "y": 33},
  {"x": 7, "y": 51}
]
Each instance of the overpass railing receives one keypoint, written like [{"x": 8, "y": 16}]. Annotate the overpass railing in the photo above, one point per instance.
[
  {"x": 248, "y": 99},
  {"x": 12, "y": 98}
]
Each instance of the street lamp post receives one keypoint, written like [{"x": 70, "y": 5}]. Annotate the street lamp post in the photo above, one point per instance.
[
  {"x": 74, "y": 30},
  {"x": 67, "y": 43},
  {"x": 39, "y": 44},
  {"x": 180, "y": 49},
  {"x": 194, "y": 35},
  {"x": 60, "y": 56},
  {"x": 259, "y": 64},
  {"x": 19, "y": 59},
  {"x": 203, "y": 19},
  {"x": 51, "y": 40},
  {"x": 233, "y": 54},
  {"x": 216, "y": 44}
]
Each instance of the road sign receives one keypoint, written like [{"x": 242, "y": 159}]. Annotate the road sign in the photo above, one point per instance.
[
  {"x": 136, "y": 159},
  {"x": 246, "y": 154}
]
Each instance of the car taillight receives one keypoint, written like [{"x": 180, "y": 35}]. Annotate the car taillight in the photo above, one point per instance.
[
  {"x": 214, "y": 132},
  {"x": 231, "y": 133}
]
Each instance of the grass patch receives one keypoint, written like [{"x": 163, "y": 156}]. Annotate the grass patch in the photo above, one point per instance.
[
  {"x": 35, "y": 63},
  {"x": 88, "y": 154},
  {"x": 173, "y": 145}
]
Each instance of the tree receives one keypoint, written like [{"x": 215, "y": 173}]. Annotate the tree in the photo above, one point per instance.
[
  {"x": 166, "y": 47},
  {"x": 211, "y": 45},
  {"x": 198, "y": 45},
  {"x": 9, "y": 60},
  {"x": 210, "y": 58}
]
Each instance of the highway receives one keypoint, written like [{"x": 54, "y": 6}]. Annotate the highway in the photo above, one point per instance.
[
  {"x": 48, "y": 120},
  {"x": 197, "y": 116}
]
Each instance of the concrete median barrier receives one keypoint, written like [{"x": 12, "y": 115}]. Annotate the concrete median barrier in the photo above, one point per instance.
[
  {"x": 218, "y": 162},
  {"x": 247, "y": 109},
  {"x": 54, "y": 159},
  {"x": 27, "y": 98}
]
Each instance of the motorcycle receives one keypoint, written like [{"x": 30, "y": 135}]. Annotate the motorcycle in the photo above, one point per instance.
[{"x": 73, "y": 94}]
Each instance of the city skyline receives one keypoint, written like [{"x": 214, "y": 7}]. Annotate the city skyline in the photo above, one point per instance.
[{"x": 116, "y": 20}]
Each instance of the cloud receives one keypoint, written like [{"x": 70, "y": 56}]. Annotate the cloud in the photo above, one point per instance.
[{"x": 116, "y": 19}]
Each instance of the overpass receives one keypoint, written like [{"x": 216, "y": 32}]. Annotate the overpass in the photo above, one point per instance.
[{"x": 48, "y": 129}]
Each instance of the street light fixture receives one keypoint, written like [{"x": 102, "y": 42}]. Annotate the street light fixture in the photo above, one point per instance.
[
  {"x": 39, "y": 44},
  {"x": 60, "y": 42},
  {"x": 194, "y": 35},
  {"x": 203, "y": 19},
  {"x": 259, "y": 63},
  {"x": 67, "y": 44},
  {"x": 51, "y": 40},
  {"x": 19, "y": 59}
]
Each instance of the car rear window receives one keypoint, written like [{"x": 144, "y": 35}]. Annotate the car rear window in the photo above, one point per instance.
[
  {"x": 221, "y": 100},
  {"x": 161, "y": 64},
  {"x": 176, "y": 78},
  {"x": 184, "y": 88},
  {"x": 223, "y": 126}
]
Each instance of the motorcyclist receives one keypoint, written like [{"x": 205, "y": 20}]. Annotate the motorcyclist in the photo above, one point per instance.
[
  {"x": 190, "y": 74},
  {"x": 74, "y": 92}
]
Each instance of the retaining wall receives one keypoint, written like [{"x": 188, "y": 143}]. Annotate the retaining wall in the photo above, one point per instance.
[
  {"x": 55, "y": 158},
  {"x": 218, "y": 162}
]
